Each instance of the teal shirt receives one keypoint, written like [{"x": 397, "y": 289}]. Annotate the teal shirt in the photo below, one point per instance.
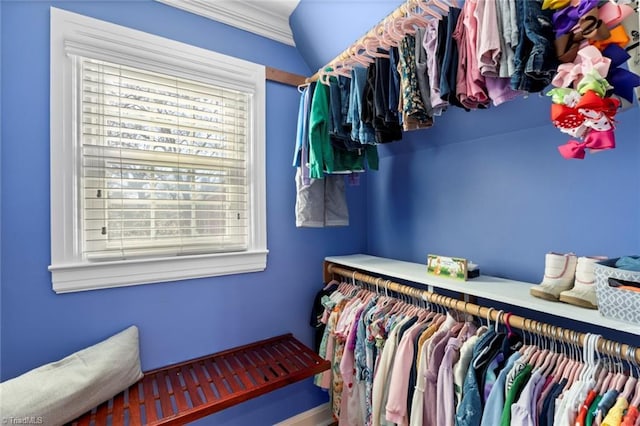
[{"x": 320, "y": 151}]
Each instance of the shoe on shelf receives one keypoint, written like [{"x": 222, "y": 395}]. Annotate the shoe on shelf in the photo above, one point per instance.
[
  {"x": 559, "y": 276},
  {"x": 583, "y": 292}
]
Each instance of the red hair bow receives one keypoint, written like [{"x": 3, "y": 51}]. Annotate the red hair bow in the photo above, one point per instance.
[{"x": 591, "y": 111}]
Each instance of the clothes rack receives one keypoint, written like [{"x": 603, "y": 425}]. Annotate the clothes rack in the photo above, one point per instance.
[
  {"x": 608, "y": 347},
  {"x": 362, "y": 50}
]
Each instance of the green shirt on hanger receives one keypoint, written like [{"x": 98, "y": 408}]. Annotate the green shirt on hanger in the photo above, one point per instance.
[
  {"x": 320, "y": 150},
  {"x": 591, "y": 413},
  {"x": 512, "y": 395}
]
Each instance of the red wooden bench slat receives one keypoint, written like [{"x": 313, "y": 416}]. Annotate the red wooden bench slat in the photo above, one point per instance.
[
  {"x": 101, "y": 413},
  {"x": 259, "y": 373},
  {"x": 134, "y": 406},
  {"x": 242, "y": 372},
  {"x": 292, "y": 354},
  {"x": 178, "y": 392},
  {"x": 269, "y": 363},
  {"x": 85, "y": 420},
  {"x": 205, "y": 383},
  {"x": 192, "y": 387},
  {"x": 117, "y": 417},
  {"x": 249, "y": 370},
  {"x": 219, "y": 361},
  {"x": 216, "y": 377},
  {"x": 164, "y": 394},
  {"x": 283, "y": 357},
  {"x": 149, "y": 398}
]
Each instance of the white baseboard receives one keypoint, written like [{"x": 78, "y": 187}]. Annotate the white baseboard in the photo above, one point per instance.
[{"x": 317, "y": 416}]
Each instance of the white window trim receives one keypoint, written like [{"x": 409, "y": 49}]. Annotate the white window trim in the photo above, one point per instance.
[{"x": 76, "y": 34}]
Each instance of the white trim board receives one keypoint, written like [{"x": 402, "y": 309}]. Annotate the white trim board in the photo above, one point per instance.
[
  {"x": 317, "y": 416},
  {"x": 269, "y": 19}
]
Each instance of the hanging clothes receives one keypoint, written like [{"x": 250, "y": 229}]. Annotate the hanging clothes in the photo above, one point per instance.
[
  {"x": 535, "y": 57},
  {"x": 448, "y": 50},
  {"x": 386, "y": 122},
  {"x": 396, "y": 364},
  {"x": 492, "y": 48},
  {"x": 414, "y": 113},
  {"x": 434, "y": 53}
]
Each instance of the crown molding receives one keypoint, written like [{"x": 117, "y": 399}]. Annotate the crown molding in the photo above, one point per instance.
[{"x": 266, "y": 18}]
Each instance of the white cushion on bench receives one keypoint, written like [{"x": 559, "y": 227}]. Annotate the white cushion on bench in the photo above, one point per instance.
[{"x": 58, "y": 392}]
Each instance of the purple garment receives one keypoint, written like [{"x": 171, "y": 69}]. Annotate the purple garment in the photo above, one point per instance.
[
  {"x": 566, "y": 18},
  {"x": 446, "y": 407},
  {"x": 351, "y": 339},
  {"x": 430, "y": 44},
  {"x": 348, "y": 406},
  {"x": 499, "y": 90},
  {"x": 439, "y": 345},
  {"x": 521, "y": 412}
]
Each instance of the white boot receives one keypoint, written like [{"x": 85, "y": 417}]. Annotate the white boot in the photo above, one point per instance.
[
  {"x": 559, "y": 274},
  {"x": 583, "y": 292}
]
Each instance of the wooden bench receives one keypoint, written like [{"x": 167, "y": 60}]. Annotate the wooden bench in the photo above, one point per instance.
[{"x": 186, "y": 391}]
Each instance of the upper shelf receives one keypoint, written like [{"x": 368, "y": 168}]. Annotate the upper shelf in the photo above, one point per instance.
[{"x": 501, "y": 290}]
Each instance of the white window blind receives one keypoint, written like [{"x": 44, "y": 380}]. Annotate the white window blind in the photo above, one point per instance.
[{"x": 164, "y": 164}]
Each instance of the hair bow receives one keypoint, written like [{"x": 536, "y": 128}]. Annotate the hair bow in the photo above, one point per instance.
[
  {"x": 589, "y": 58},
  {"x": 594, "y": 141},
  {"x": 568, "y": 120},
  {"x": 565, "y": 19},
  {"x": 618, "y": 35},
  {"x": 598, "y": 112},
  {"x": 622, "y": 80},
  {"x": 593, "y": 81},
  {"x": 564, "y": 96},
  {"x": 590, "y": 101},
  {"x": 554, "y": 4},
  {"x": 612, "y": 14}
]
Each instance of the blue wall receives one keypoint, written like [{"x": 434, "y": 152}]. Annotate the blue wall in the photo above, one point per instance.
[
  {"x": 491, "y": 186},
  {"x": 177, "y": 320}
]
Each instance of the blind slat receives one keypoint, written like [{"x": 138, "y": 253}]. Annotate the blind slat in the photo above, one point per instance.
[{"x": 129, "y": 91}]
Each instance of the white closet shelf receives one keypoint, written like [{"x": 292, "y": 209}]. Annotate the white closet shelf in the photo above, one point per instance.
[{"x": 492, "y": 288}]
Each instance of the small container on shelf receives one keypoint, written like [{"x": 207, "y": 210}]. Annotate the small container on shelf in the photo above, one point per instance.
[{"x": 618, "y": 291}]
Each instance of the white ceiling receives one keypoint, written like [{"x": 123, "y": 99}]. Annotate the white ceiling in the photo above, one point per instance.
[{"x": 268, "y": 18}]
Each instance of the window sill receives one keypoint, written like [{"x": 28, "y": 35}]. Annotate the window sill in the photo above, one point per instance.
[{"x": 69, "y": 278}]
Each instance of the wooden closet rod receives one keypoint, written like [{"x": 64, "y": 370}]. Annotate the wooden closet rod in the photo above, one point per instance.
[
  {"x": 609, "y": 347},
  {"x": 350, "y": 53},
  {"x": 284, "y": 77}
]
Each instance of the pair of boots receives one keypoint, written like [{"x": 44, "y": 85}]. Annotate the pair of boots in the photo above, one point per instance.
[{"x": 569, "y": 279}]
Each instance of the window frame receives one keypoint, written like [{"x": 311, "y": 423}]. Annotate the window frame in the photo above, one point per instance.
[{"x": 74, "y": 34}]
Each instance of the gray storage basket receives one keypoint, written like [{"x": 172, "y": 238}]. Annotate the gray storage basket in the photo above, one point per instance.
[{"x": 614, "y": 302}]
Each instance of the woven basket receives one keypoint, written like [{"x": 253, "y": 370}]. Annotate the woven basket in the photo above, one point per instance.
[{"x": 614, "y": 302}]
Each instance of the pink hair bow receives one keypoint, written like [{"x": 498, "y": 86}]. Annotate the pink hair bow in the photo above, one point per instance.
[
  {"x": 594, "y": 141},
  {"x": 613, "y": 14},
  {"x": 589, "y": 58}
]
